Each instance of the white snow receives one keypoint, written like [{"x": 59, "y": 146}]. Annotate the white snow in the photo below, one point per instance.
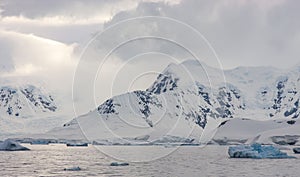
[
  {"x": 287, "y": 133},
  {"x": 188, "y": 96},
  {"x": 183, "y": 100},
  {"x": 28, "y": 106}
]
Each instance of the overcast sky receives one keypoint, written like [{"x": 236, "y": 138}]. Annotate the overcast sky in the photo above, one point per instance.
[{"x": 46, "y": 38}]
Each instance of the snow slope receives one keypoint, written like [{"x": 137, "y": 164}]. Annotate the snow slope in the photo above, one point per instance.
[
  {"x": 236, "y": 131},
  {"x": 187, "y": 97},
  {"x": 28, "y": 108},
  {"x": 286, "y": 135},
  {"x": 24, "y": 101}
]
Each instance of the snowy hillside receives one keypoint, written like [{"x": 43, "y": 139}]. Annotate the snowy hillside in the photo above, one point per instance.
[
  {"x": 28, "y": 108},
  {"x": 24, "y": 101},
  {"x": 279, "y": 131},
  {"x": 186, "y": 97}
]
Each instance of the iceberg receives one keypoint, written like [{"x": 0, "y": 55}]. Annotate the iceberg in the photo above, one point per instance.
[
  {"x": 72, "y": 169},
  {"x": 9, "y": 145},
  {"x": 77, "y": 144},
  {"x": 119, "y": 164},
  {"x": 39, "y": 142},
  {"x": 257, "y": 151}
]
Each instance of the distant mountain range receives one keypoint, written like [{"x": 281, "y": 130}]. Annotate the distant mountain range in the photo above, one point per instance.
[{"x": 186, "y": 97}]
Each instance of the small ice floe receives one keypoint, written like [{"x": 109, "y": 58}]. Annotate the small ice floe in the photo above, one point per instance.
[
  {"x": 257, "y": 151},
  {"x": 39, "y": 142},
  {"x": 77, "y": 144},
  {"x": 296, "y": 150},
  {"x": 9, "y": 145},
  {"x": 72, "y": 169},
  {"x": 119, "y": 164}
]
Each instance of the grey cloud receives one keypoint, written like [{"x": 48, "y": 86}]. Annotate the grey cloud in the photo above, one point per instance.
[
  {"x": 242, "y": 33},
  {"x": 6, "y": 62},
  {"x": 37, "y": 8}
]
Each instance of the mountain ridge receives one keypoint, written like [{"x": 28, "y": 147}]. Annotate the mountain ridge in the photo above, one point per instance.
[{"x": 193, "y": 94}]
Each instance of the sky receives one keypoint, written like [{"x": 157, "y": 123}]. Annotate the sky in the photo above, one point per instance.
[{"x": 62, "y": 41}]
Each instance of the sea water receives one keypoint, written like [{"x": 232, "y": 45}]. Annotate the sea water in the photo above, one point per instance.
[{"x": 51, "y": 160}]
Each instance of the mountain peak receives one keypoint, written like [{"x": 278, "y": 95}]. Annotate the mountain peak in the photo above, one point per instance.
[
  {"x": 190, "y": 94},
  {"x": 24, "y": 101}
]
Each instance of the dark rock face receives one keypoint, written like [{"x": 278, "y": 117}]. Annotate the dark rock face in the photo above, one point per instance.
[
  {"x": 107, "y": 107},
  {"x": 6, "y": 96},
  {"x": 296, "y": 150},
  {"x": 14, "y": 100},
  {"x": 164, "y": 83},
  {"x": 198, "y": 118},
  {"x": 39, "y": 100},
  {"x": 280, "y": 89},
  {"x": 196, "y": 102},
  {"x": 145, "y": 101},
  {"x": 285, "y": 99},
  {"x": 221, "y": 103},
  {"x": 202, "y": 92}
]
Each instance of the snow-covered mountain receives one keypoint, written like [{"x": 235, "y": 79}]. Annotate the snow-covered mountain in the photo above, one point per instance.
[
  {"x": 28, "y": 108},
  {"x": 191, "y": 96},
  {"x": 25, "y": 101}
]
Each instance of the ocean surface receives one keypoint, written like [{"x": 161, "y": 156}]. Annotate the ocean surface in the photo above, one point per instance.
[{"x": 51, "y": 160}]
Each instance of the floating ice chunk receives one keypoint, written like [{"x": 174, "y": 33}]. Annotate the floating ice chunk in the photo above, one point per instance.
[
  {"x": 39, "y": 142},
  {"x": 296, "y": 150},
  {"x": 72, "y": 169},
  {"x": 256, "y": 151},
  {"x": 119, "y": 164},
  {"x": 9, "y": 145},
  {"x": 77, "y": 144}
]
